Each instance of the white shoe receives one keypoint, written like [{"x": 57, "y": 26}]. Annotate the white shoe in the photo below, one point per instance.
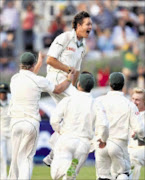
[{"x": 47, "y": 160}]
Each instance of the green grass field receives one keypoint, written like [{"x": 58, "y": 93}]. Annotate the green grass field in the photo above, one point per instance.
[{"x": 86, "y": 173}]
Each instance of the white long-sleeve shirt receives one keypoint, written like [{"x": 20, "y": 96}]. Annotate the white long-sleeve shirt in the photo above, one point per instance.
[
  {"x": 81, "y": 117},
  {"x": 122, "y": 115},
  {"x": 132, "y": 142},
  {"x": 26, "y": 88}
]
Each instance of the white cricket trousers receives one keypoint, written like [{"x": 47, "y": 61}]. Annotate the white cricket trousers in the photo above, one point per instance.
[
  {"x": 24, "y": 141},
  {"x": 113, "y": 160},
  {"x": 66, "y": 149},
  {"x": 137, "y": 158},
  {"x": 5, "y": 149},
  {"x": 56, "y": 78}
]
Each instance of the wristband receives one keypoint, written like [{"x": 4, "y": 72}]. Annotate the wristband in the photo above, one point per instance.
[{"x": 68, "y": 80}]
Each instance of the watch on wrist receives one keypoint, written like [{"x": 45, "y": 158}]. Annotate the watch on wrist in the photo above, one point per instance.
[{"x": 69, "y": 70}]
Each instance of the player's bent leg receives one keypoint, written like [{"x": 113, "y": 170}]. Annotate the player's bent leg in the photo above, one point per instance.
[
  {"x": 48, "y": 159},
  {"x": 53, "y": 139},
  {"x": 59, "y": 167},
  {"x": 136, "y": 172},
  {"x": 71, "y": 172}
]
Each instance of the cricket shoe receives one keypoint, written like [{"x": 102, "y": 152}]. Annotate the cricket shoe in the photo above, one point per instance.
[
  {"x": 71, "y": 172},
  {"x": 47, "y": 160}
]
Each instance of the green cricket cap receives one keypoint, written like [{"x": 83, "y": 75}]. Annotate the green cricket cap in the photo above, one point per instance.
[
  {"x": 86, "y": 81},
  {"x": 116, "y": 78},
  {"x": 28, "y": 58}
]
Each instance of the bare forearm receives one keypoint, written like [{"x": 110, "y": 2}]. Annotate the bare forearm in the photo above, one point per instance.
[
  {"x": 57, "y": 64},
  {"x": 37, "y": 68},
  {"x": 75, "y": 78},
  {"x": 39, "y": 63}
]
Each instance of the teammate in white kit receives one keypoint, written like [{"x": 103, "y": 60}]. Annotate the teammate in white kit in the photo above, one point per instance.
[
  {"x": 81, "y": 117},
  {"x": 4, "y": 130},
  {"x": 137, "y": 147},
  {"x": 113, "y": 162},
  {"x": 26, "y": 88},
  {"x": 66, "y": 54}
]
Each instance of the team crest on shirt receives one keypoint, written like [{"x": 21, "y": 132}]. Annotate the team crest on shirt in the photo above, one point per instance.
[
  {"x": 71, "y": 49},
  {"x": 137, "y": 113}
]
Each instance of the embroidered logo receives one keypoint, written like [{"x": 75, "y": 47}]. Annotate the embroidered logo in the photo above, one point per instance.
[
  {"x": 71, "y": 49},
  {"x": 137, "y": 113}
]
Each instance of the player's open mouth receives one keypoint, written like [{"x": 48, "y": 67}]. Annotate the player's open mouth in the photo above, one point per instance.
[{"x": 88, "y": 31}]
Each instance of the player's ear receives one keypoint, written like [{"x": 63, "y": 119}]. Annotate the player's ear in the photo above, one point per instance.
[{"x": 78, "y": 85}]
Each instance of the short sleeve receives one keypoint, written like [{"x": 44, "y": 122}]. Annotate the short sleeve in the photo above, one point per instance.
[{"x": 58, "y": 45}]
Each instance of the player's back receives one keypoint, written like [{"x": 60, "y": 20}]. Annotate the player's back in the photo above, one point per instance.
[
  {"x": 79, "y": 116},
  {"x": 25, "y": 95},
  {"x": 117, "y": 109}
]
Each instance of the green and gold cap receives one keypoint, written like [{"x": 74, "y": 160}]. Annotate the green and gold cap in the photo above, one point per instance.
[{"x": 28, "y": 58}]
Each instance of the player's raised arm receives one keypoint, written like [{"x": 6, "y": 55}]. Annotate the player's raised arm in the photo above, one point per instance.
[{"x": 39, "y": 63}]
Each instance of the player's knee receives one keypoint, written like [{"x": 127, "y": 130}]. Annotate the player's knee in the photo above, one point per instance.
[
  {"x": 122, "y": 177},
  {"x": 54, "y": 175},
  {"x": 56, "y": 172}
]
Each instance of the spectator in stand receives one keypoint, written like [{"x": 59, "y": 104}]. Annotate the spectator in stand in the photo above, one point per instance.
[
  {"x": 141, "y": 24},
  {"x": 10, "y": 17},
  {"x": 6, "y": 55},
  {"x": 105, "y": 42},
  {"x": 139, "y": 77},
  {"x": 130, "y": 63},
  {"x": 3, "y": 35},
  {"x": 70, "y": 9},
  {"x": 104, "y": 19},
  {"x": 103, "y": 76},
  {"x": 122, "y": 34},
  {"x": 28, "y": 21},
  {"x": 57, "y": 26}
]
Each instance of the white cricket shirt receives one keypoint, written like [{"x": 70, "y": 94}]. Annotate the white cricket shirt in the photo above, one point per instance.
[
  {"x": 82, "y": 117},
  {"x": 122, "y": 115},
  {"x": 26, "y": 88},
  {"x": 65, "y": 49}
]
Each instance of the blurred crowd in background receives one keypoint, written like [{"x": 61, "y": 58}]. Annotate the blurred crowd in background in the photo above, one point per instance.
[{"x": 118, "y": 28}]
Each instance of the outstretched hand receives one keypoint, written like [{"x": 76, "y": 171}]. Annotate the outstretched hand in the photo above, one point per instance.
[{"x": 39, "y": 62}]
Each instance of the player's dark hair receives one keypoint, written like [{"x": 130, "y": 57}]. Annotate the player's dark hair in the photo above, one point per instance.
[
  {"x": 78, "y": 19},
  {"x": 26, "y": 67},
  {"x": 117, "y": 87},
  {"x": 89, "y": 83},
  {"x": 116, "y": 80}
]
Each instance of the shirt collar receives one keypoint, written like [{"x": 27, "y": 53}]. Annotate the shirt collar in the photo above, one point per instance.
[
  {"x": 3, "y": 103},
  {"x": 26, "y": 71},
  {"x": 115, "y": 93},
  {"x": 74, "y": 35},
  {"x": 85, "y": 93}
]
